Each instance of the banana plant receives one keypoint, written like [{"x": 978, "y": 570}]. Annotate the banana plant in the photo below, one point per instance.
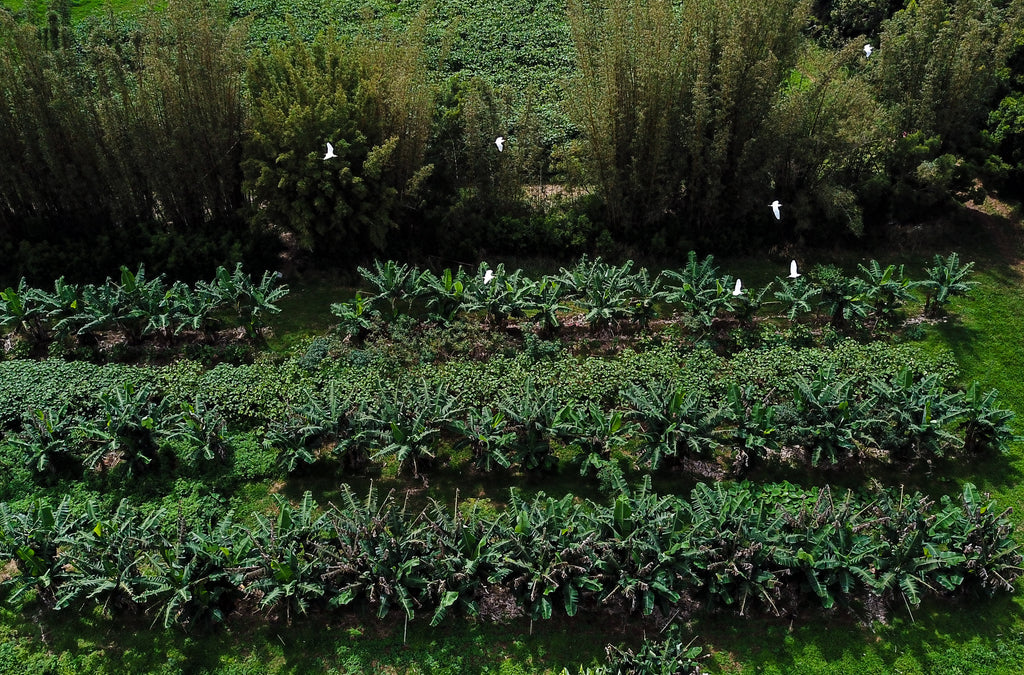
[
  {"x": 446, "y": 295},
  {"x": 192, "y": 309},
  {"x": 203, "y": 430},
  {"x": 843, "y": 298},
  {"x": 504, "y": 296},
  {"x": 607, "y": 298},
  {"x": 667, "y": 656},
  {"x": 284, "y": 568},
  {"x": 140, "y": 304},
  {"x": 259, "y": 302},
  {"x": 672, "y": 422},
  {"x": 61, "y": 307},
  {"x": 796, "y": 297},
  {"x": 466, "y": 549},
  {"x": 749, "y": 427},
  {"x": 408, "y": 422},
  {"x": 377, "y": 554},
  {"x": 552, "y": 554},
  {"x": 916, "y": 417},
  {"x": 825, "y": 542},
  {"x": 49, "y": 439},
  {"x": 36, "y": 538},
  {"x": 128, "y": 429},
  {"x": 192, "y": 586},
  {"x": 747, "y": 305},
  {"x": 251, "y": 302},
  {"x": 903, "y": 571},
  {"x": 595, "y": 431},
  {"x": 355, "y": 317},
  {"x": 392, "y": 283},
  {"x": 319, "y": 423},
  {"x": 698, "y": 291},
  {"x": 831, "y": 421},
  {"x": 646, "y": 294},
  {"x": 487, "y": 432},
  {"x": 947, "y": 278},
  {"x": 649, "y": 561},
  {"x": 547, "y": 304},
  {"x": 729, "y": 528},
  {"x": 985, "y": 426},
  {"x": 533, "y": 414},
  {"x": 985, "y": 535},
  {"x": 99, "y": 310},
  {"x": 22, "y": 311},
  {"x": 886, "y": 290},
  {"x": 108, "y": 559},
  {"x": 579, "y": 278}
]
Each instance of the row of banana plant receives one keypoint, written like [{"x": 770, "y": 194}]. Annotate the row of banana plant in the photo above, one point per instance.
[
  {"x": 776, "y": 548},
  {"x": 139, "y": 307},
  {"x": 822, "y": 420},
  {"x": 128, "y": 430},
  {"x": 905, "y": 420},
  {"x": 609, "y": 295}
]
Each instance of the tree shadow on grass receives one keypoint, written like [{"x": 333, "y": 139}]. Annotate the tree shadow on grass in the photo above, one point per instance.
[{"x": 961, "y": 636}]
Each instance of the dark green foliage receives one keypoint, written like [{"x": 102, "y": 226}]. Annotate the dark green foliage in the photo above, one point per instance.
[
  {"x": 673, "y": 423},
  {"x": 831, "y": 422},
  {"x": 406, "y": 423},
  {"x": 737, "y": 546},
  {"x": 487, "y": 432},
  {"x": 139, "y": 308},
  {"x": 49, "y": 439},
  {"x": 947, "y": 278},
  {"x": 673, "y": 104},
  {"x": 376, "y": 115},
  {"x": 124, "y": 140},
  {"x": 842, "y": 297}
]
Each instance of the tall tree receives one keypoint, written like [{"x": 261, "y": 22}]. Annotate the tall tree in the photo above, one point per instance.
[{"x": 673, "y": 101}]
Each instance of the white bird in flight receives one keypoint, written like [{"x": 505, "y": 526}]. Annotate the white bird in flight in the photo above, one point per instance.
[
  {"x": 775, "y": 209},
  {"x": 867, "y": 50},
  {"x": 500, "y": 142},
  {"x": 488, "y": 275},
  {"x": 330, "y": 152},
  {"x": 739, "y": 288},
  {"x": 793, "y": 274}
]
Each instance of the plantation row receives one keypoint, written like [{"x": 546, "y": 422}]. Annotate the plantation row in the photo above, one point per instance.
[
  {"x": 139, "y": 307},
  {"x": 776, "y": 548},
  {"x": 609, "y": 295},
  {"x": 822, "y": 420}
]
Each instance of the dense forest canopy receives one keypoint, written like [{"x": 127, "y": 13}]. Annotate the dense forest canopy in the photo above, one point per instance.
[{"x": 193, "y": 135}]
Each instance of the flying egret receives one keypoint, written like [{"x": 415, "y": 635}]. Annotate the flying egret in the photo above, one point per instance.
[
  {"x": 739, "y": 288},
  {"x": 500, "y": 142},
  {"x": 793, "y": 274},
  {"x": 330, "y": 152},
  {"x": 775, "y": 209},
  {"x": 488, "y": 275},
  {"x": 867, "y": 50}
]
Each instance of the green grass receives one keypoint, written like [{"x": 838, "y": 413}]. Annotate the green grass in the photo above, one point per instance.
[{"x": 79, "y": 8}]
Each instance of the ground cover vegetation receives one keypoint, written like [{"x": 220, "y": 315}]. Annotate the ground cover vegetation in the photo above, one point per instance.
[{"x": 638, "y": 128}]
